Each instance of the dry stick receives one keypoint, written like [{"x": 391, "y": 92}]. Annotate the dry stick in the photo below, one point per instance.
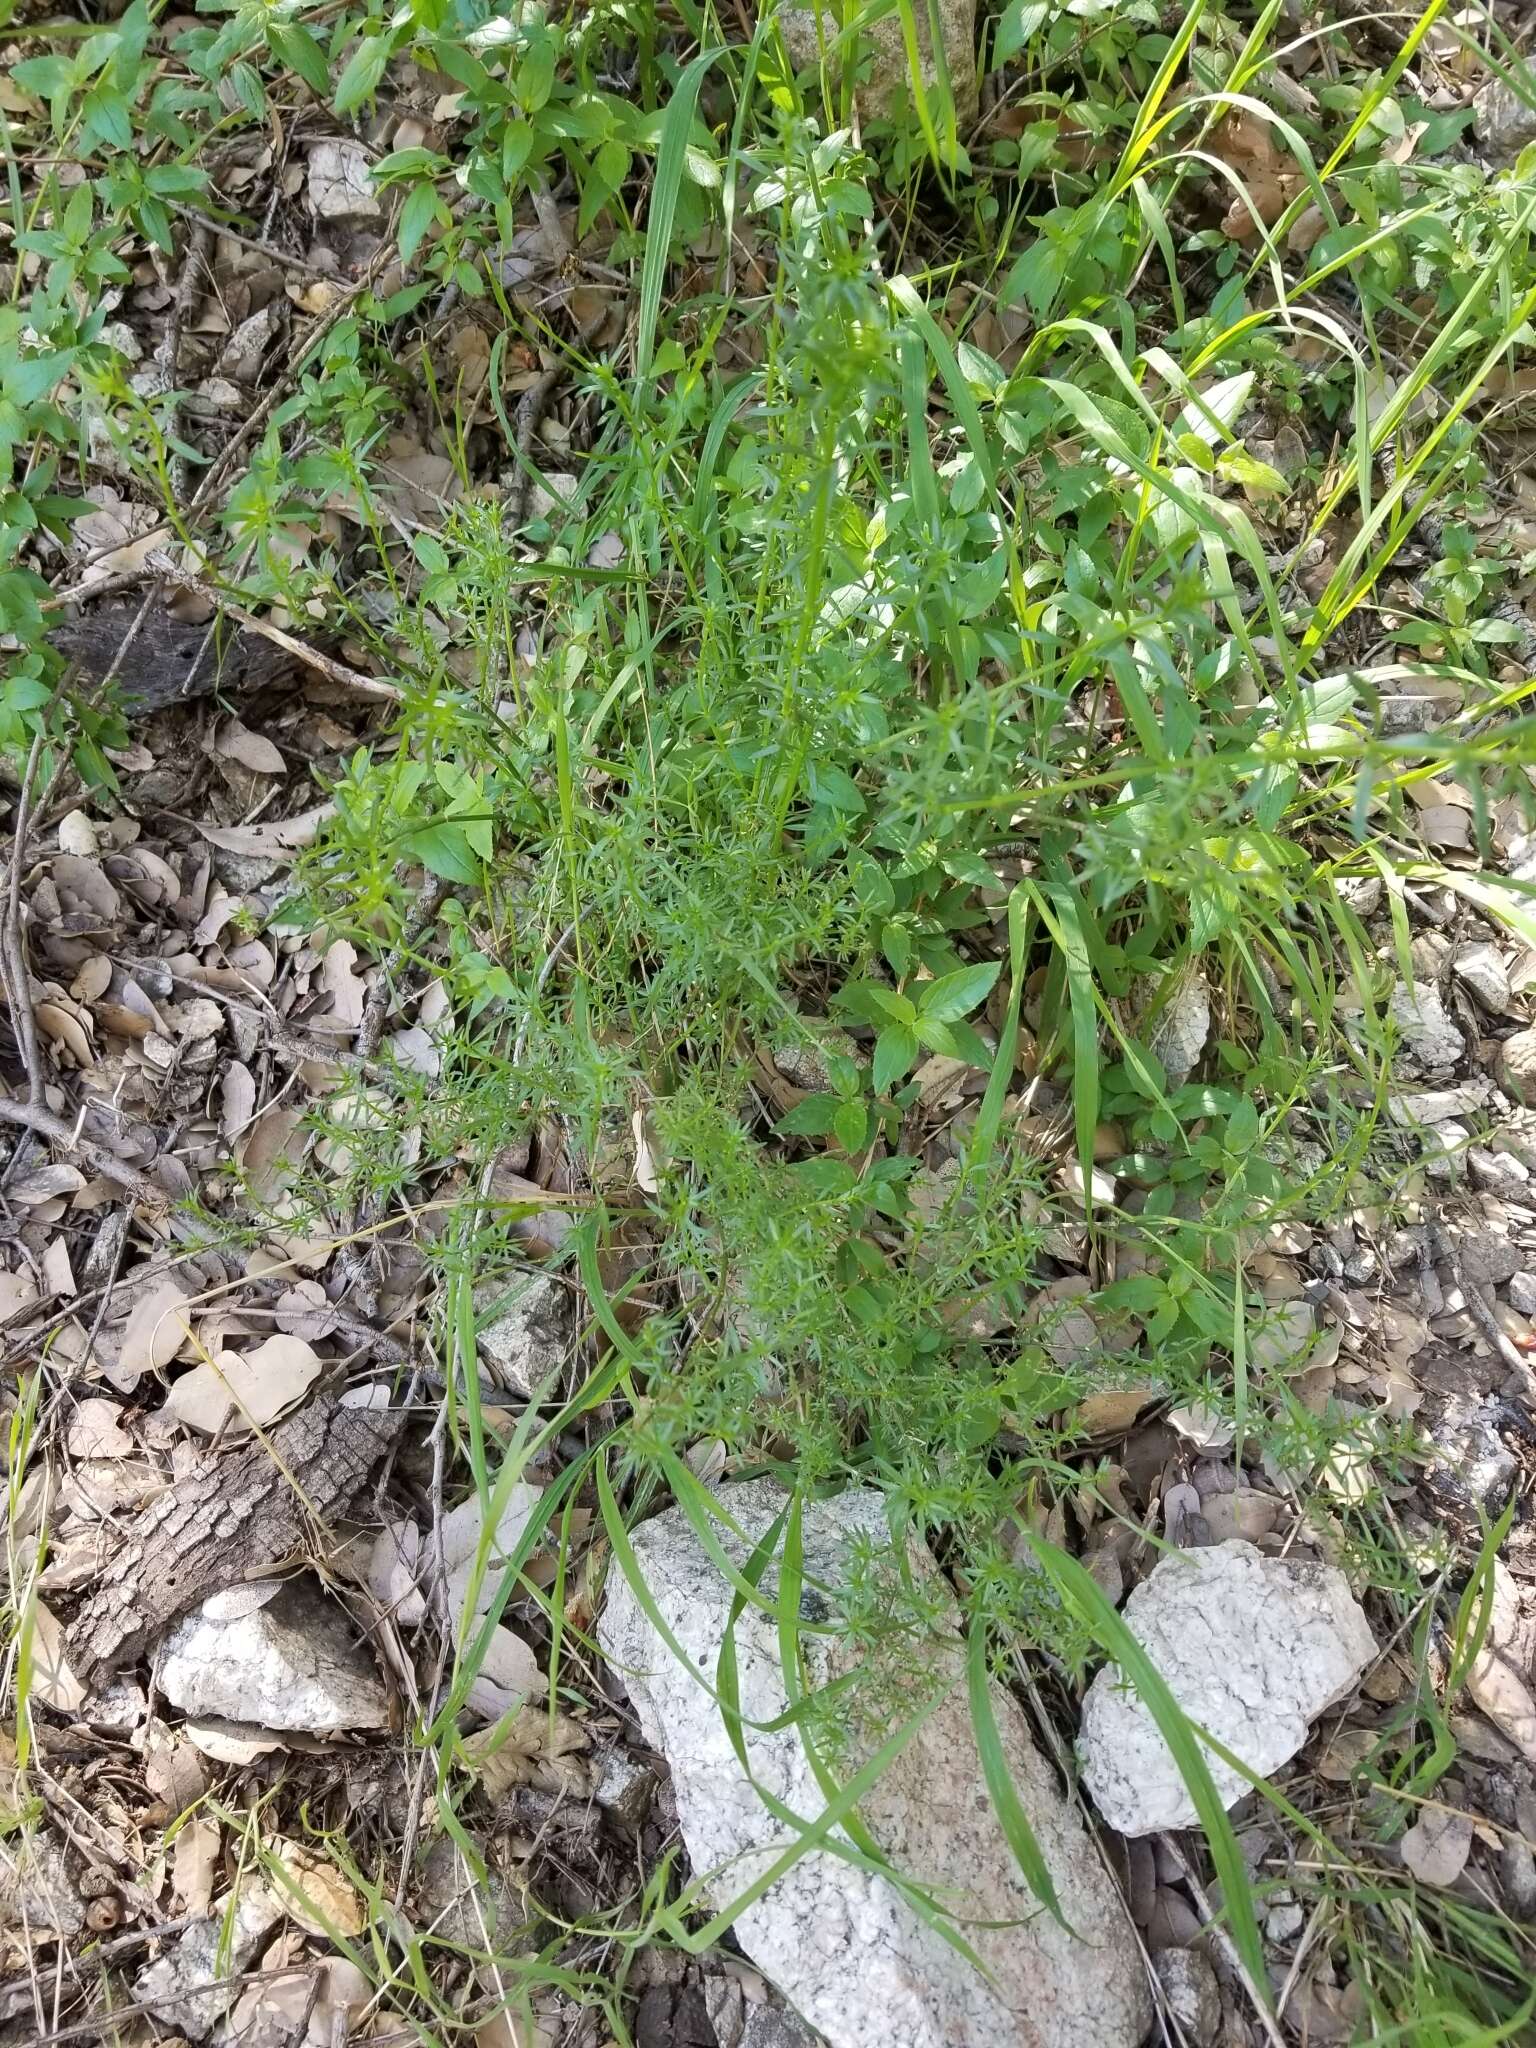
[
  {"x": 531, "y": 408},
  {"x": 17, "y": 973},
  {"x": 267, "y": 249},
  {"x": 1224, "y": 1942},
  {"x": 168, "y": 355},
  {"x": 423, "y": 912},
  {"x": 310, "y": 657},
  {"x": 33, "y": 1116},
  {"x": 445, "y": 1625},
  {"x": 1482, "y": 1314}
]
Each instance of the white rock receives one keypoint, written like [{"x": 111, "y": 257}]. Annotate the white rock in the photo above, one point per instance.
[
  {"x": 531, "y": 1332},
  {"x": 1482, "y": 970},
  {"x": 841, "y": 1942},
  {"x": 37, "y": 1890},
  {"x": 1501, "y": 120},
  {"x": 1522, "y": 1292},
  {"x": 1181, "y": 1028},
  {"x": 1499, "y": 1173},
  {"x": 1253, "y": 1648},
  {"x": 291, "y": 1663},
  {"x": 340, "y": 184},
  {"x": 1445, "y": 1151},
  {"x": 1425, "y": 1033},
  {"x": 189, "y": 1987},
  {"x": 1437, "y": 1105},
  {"x": 1193, "y": 1994},
  {"x": 889, "y": 85}
]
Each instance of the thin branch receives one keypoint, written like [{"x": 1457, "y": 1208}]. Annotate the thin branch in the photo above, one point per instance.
[
  {"x": 14, "y": 952},
  {"x": 34, "y": 1116}
]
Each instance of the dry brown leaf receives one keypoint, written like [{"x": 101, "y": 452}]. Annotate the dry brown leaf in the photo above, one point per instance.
[
  {"x": 17, "y": 1291},
  {"x": 346, "y": 988},
  {"x": 131, "y": 534},
  {"x": 234, "y": 1742},
  {"x": 422, "y": 485},
  {"x": 320, "y": 1898},
  {"x": 393, "y": 1569},
  {"x": 65, "y": 1033},
  {"x": 1436, "y": 1847},
  {"x": 156, "y": 1331},
  {"x": 277, "y": 2008},
  {"x": 53, "y": 1681},
  {"x": 241, "y": 1389},
  {"x": 237, "y": 743},
  {"x": 92, "y": 979},
  {"x": 1346, "y": 1750},
  {"x": 264, "y": 1157},
  {"x": 194, "y": 1861},
  {"x": 58, "y": 1273},
  {"x": 280, "y": 840},
  {"x": 45, "y": 1184},
  {"x": 529, "y": 1752},
  {"x": 97, "y": 1432},
  {"x": 1113, "y": 1411},
  {"x": 173, "y": 1770},
  {"x": 1500, "y": 1678},
  {"x": 461, "y": 1542},
  {"x": 237, "y": 1099}
]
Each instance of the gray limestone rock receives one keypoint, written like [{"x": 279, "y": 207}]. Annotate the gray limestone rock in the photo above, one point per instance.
[
  {"x": 531, "y": 1330},
  {"x": 841, "y": 1941},
  {"x": 1427, "y": 1035},
  {"x": 888, "y": 81},
  {"x": 1252, "y": 1648},
  {"x": 282, "y": 1656},
  {"x": 1502, "y": 121}
]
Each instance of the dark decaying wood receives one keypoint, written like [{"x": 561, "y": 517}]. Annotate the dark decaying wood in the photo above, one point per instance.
[
  {"x": 236, "y": 1513},
  {"x": 167, "y": 661}
]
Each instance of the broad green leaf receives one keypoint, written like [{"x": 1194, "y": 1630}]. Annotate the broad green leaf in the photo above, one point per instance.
[
  {"x": 895, "y": 1050},
  {"x": 444, "y": 849},
  {"x": 955, "y": 995},
  {"x": 361, "y": 73},
  {"x": 296, "y": 47}
]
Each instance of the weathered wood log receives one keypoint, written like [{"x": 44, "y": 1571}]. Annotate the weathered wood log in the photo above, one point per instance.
[
  {"x": 167, "y": 661},
  {"x": 234, "y": 1513}
]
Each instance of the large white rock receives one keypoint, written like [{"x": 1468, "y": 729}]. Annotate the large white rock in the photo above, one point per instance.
[
  {"x": 888, "y": 85},
  {"x": 1253, "y": 1648},
  {"x": 842, "y": 1943},
  {"x": 280, "y": 1655}
]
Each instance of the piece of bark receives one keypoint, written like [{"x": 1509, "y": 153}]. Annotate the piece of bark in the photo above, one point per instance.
[
  {"x": 167, "y": 661},
  {"x": 234, "y": 1513}
]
